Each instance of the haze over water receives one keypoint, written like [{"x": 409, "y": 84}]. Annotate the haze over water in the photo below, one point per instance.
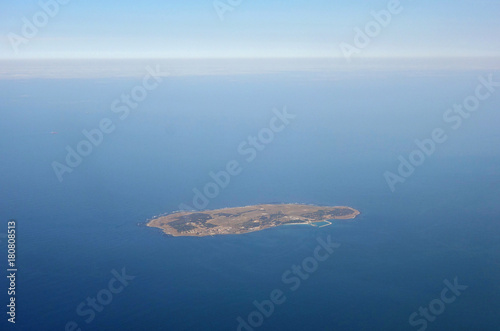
[{"x": 349, "y": 129}]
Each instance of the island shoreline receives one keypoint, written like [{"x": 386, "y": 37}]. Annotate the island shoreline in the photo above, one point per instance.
[{"x": 247, "y": 219}]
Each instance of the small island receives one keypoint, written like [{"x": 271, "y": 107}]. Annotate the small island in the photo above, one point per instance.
[{"x": 247, "y": 219}]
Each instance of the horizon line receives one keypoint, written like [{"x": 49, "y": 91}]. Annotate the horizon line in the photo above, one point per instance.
[{"x": 337, "y": 57}]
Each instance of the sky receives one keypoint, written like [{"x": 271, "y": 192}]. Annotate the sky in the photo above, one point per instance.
[{"x": 248, "y": 29}]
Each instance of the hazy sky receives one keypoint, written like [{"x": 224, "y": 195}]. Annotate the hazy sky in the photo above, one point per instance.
[{"x": 254, "y": 28}]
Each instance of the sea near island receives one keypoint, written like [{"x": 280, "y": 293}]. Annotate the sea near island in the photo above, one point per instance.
[{"x": 348, "y": 130}]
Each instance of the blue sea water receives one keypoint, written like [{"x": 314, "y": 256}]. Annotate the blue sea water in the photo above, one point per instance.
[{"x": 442, "y": 223}]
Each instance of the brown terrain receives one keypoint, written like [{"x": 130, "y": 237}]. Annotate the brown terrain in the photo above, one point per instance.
[{"x": 247, "y": 219}]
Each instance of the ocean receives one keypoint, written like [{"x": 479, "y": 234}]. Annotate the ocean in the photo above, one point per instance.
[{"x": 76, "y": 235}]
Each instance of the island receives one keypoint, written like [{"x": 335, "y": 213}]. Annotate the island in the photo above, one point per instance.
[{"x": 241, "y": 220}]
